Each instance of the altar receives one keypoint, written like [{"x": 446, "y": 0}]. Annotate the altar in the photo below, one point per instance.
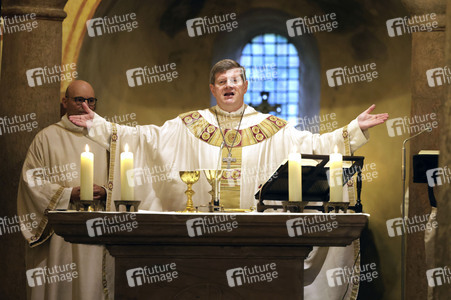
[{"x": 252, "y": 255}]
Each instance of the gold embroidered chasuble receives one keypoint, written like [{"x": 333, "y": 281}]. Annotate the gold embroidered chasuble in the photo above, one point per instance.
[{"x": 234, "y": 140}]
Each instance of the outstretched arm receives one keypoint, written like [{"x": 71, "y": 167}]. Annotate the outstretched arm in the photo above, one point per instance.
[
  {"x": 100, "y": 130},
  {"x": 325, "y": 143},
  {"x": 366, "y": 120}
]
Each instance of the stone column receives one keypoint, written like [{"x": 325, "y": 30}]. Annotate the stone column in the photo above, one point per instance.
[
  {"x": 443, "y": 238},
  {"x": 23, "y": 50},
  {"x": 427, "y": 52}
]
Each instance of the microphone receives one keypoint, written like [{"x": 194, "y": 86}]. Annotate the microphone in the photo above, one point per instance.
[{"x": 403, "y": 240}]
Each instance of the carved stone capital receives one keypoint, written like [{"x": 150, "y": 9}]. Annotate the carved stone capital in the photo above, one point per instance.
[{"x": 45, "y": 10}]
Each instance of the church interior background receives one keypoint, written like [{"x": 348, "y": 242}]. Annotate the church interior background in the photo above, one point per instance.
[{"x": 291, "y": 67}]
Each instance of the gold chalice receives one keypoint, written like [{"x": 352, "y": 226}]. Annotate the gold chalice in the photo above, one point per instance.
[
  {"x": 213, "y": 177},
  {"x": 190, "y": 178}
]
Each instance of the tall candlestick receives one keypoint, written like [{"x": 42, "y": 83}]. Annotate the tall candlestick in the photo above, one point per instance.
[
  {"x": 294, "y": 177},
  {"x": 127, "y": 190},
  {"x": 87, "y": 175},
  {"x": 336, "y": 176}
]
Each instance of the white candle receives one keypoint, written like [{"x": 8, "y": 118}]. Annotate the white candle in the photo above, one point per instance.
[
  {"x": 87, "y": 175},
  {"x": 336, "y": 176},
  {"x": 294, "y": 177},
  {"x": 127, "y": 191}
]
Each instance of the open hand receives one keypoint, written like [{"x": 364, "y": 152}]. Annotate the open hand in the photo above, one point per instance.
[
  {"x": 84, "y": 120},
  {"x": 366, "y": 120}
]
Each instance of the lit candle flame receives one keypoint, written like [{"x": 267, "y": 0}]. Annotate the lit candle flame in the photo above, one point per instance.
[
  {"x": 87, "y": 148},
  {"x": 126, "y": 147},
  {"x": 335, "y": 149}
]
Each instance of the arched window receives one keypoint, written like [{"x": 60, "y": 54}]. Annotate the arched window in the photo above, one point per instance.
[
  {"x": 268, "y": 27},
  {"x": 272, "y": 65}
]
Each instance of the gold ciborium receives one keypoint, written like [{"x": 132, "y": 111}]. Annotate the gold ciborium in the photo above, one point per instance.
[
  {"x": 190, "y": 178},
  {"x": 213, "y": 177}
]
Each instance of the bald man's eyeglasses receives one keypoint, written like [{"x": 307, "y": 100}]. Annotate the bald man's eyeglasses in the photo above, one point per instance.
[{"x": 80, "y": 100}]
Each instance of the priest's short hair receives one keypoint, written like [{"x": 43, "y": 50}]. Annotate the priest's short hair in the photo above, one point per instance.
[{"x": 225, "y": 65}]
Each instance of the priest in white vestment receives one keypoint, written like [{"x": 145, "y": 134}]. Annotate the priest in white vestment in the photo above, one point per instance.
[
  {"x": 247, "y": 144},
  {"x": 50, "y": 180}
]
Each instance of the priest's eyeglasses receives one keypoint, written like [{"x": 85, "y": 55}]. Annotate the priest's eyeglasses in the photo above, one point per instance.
[
  {"x": 232, "y": 81},
  {"x": 80, "y": 100}
]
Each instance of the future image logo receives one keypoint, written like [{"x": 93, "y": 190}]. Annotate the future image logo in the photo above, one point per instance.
[
  {"x": 111, "y": 224},
  {"x": 207, "y": 25},
  {"x": 51, "y": 174},
  {"x": 317, "y": 123},
  {"x": 35, "y": 77},
  {"x": 135, "y": 277},
  {"x": 305, "y": 225},
  {"x": 249, "y": 275},
  {"x": 311, "y": 25},
  {"x": 438, "y": 76},
  {"x": 262, "y": 73},
  {"x": 211, "y": 225},
  {"x": 135, "y": 77},
  {"x": 146, "y": 175},
  {"x": 416, "y": 223},
  {"x": 438, "y": 276},
  {"x": 341, "y": 276},
  {"x": 148, "y": 75},
  {"x": 335, "y": 277},
  {"x": 353, "y": 74},
  {"x": 409, "y": 125},
  {"x": 334, "y": 177},
  {"x": 9, "y": 225},
  {"x": 55, "y": 274},
  {"x": 109, "y": 25},
  {"x": 18, "y": 23},
  {"x": 395, "y": 227},
  {"x": 438, "y": 176},
  {"x": 35, "y": 277},
  {"x": 407, "y": 25},
  {"x": 48, "y": 75},
  {"x": 154, "y": 274}
]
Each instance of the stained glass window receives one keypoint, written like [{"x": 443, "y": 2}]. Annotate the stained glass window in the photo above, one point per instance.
[{"x": 272, "y": 65}]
